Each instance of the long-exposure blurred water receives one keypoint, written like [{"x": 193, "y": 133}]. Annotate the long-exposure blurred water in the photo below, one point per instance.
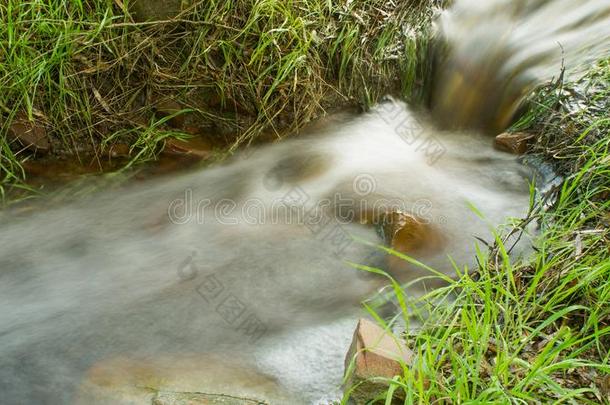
[{"x": 235, "y": 279}]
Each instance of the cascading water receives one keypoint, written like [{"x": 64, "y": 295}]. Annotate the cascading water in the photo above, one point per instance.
[
  {"x": 233, "y": 279},
  {"x": 497, "y": 51}
]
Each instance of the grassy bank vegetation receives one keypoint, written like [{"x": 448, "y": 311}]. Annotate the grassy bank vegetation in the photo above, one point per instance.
[
  {"x": 536, "y": 330},
  {"x": 91, "y": 76}
]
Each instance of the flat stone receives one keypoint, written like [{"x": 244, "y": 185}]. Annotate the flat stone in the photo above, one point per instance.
[
  {"x": 30, "y": 134},
  {"x": 194, "y": 146},
  {"x": 177, "y": 379},
  {"x": 515, "y": 142},
  {"x": 374, "y": 353},
  {"x": 188, "y": 398}
]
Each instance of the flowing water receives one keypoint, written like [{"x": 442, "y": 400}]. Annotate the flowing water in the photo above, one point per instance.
[{"x": 235, "y": 279}]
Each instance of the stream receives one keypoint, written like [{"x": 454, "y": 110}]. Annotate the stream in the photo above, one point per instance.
[{"x": 236, "y": 279}]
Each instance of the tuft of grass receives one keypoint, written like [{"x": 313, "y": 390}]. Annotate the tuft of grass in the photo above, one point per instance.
[
  {"x": 534, "y": 330},
  {"x": 91, "y": 75}
]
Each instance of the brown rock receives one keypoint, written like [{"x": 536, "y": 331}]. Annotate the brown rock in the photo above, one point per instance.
[
  {"x": 516, "y": 142},
  {"x": 374, "y": 353},
  {"x": 410, "y": 235},
  {"x": 414, "y": 237},
  {"x": 193, "y": 146},
  {"x": 30, "y": 134},
  {"x": 177, "y": 379}
]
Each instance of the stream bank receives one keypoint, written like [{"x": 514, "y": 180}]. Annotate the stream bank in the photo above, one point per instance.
[{"x": 93, "y": 80}]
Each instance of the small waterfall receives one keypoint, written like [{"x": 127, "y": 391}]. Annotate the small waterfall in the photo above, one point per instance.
[{"x": 495, "y": 52}]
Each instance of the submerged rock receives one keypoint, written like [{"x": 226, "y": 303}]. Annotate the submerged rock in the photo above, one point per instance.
[
  {"x": 295, "y": 168},
  {"x": 405, "y": 233},
  {"x": 196, "y": 146},
  {"x": 198, "y": 398},
  {"x": 177, "y": 379},
  {"x": 374, "y": 357},
  {"x": 515, "y": 142}
]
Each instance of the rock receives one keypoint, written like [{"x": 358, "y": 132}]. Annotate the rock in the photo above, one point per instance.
[
  {"x": 295, "y": 168},
  {"x": 177, "y": 379},
  {"x": 516, "y": 142},
  {"x": 30, "y": 134},
  {"x": 374, "y": 353},
  {"x": 415, "y": 237},
  {"x": 410, "y": 235},
  {"x": 405, "y": 233},
  {"x": 157, "y": 10},
  {"x": 193, "y": 146},
  {"x": 180, "y": 398}
]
